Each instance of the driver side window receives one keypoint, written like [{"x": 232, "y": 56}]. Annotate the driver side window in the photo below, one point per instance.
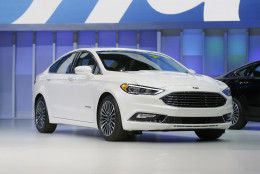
[
  {"x": 240, "y": 73},
  {"x": 87, "y": 59}
]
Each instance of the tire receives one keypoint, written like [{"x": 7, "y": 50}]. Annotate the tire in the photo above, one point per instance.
[
  {"x": 109, "y": 120},
  {"x": 238, "y": 119},
  {"x": 41, "y": 117},
  {"x": 209, "y": 134}
]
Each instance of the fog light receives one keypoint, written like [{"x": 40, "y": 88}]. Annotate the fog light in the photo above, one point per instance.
[
  {"x": 227, "y": 117},
  {"x": 148, "y": 117},
  {"x": 144, "y": 115}
]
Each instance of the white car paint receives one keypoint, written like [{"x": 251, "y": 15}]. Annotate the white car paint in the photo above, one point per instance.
[{"x": 73, "y": 99}]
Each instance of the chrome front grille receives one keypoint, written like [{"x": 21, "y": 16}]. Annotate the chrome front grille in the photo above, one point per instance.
[{"x": 194, "y": 99}]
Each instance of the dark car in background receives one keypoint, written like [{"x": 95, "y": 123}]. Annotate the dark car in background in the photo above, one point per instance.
[{"x": 244, "y": 83}]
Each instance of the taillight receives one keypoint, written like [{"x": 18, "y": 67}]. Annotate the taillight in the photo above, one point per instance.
[{"x": 34, "y": 81}]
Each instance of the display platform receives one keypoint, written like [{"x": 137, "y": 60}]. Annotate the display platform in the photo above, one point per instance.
[{"x": 81, "y": 150}]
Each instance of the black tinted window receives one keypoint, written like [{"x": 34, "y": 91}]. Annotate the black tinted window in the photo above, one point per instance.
[
  {"x": 256, "y": 72},
  {"x": 115, "y": 62},
  {"x": 240, "y": 73},
  {"x": 135, "y": 61}
]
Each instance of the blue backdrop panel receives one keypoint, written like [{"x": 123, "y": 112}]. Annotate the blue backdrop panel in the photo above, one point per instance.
[
  {"x": 64, "y": 42},
  {"x": 6, "y": 56},
  {"x": 127, "y": 39},
  {"x": 171, "y": 44},
  {"x": 12, "y": 10},
  {"x": 43, "y": 50},
  {"x": 148, "y": 40},
  {"x": 214, "y": 59},
  {"x": 193, "y": 49},
  {"x": 237, "y": 48},
  {"x": 254, "y": 45},
  {"x": 193, "y": 62},
  {"x": 23, "y": 74},
  {"x": 86, "y": 39},
  {"x": 106, "y": 38}
]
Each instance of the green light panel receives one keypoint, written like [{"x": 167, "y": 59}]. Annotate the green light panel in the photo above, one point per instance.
[{"x": 237, "y": 48}]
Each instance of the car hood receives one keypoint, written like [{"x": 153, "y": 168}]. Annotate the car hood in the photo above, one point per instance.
[{"x": 162, "y": 79}]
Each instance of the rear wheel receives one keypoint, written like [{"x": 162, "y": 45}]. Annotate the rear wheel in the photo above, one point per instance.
[
  {"x": 42, "y": 118},
  {"x": 209, "y": 134},
  {"x": 109, "y": 120},
  {"x": 238, "y": 118}
]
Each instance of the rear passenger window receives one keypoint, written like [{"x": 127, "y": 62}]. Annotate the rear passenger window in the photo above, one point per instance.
[
  {"x": 53, "y": 68},
  {"x": 63, "y": 65}
]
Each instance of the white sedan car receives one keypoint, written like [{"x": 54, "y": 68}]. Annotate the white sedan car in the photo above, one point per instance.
[{"x": 123, "y": 92}]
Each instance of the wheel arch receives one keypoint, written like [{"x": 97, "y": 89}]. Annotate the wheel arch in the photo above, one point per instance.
[
  {"x": 236, "y": 94},
  {"x": 37, "y": 97},
  {"x": 243, "y": 102}
]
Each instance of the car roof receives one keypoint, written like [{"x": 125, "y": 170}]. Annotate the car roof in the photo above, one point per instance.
[
  {"x": 111, "y": 49},
  {"x": 249, "y": 64},
  {"x": 241, "y": 67}
]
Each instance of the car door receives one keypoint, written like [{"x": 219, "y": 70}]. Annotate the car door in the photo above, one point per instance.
[
  {"x": 253, "y": 92},
  {"x": 83, "y": 90},
  {"x": 245, "y": 87},
  {"x": 235, "y": 79},
  {"x": 58, "y": 90}
]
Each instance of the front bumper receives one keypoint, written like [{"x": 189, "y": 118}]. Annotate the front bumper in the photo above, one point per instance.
[
  {"x": 131, "y": 104},
  {"x": 141, "y": 126}
]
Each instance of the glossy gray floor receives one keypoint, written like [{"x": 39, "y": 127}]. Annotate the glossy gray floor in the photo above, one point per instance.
[{"x": 81, "y": 150}]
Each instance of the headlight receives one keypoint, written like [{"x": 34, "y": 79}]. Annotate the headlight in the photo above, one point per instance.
[
  {"x": 140, "y": 90},
  {"x": 227, "y": 92}
]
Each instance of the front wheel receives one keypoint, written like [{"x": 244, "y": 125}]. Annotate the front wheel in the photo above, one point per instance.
[
  {"x": 238, "y": 117},
  {"x": 209, "y": 134},
  {"x": 42, "y": 118},
  {"x": 109, "y": 120}
]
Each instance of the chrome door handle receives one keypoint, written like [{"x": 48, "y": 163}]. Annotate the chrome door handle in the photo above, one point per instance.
[
  {"x": 243, "y": 82},
  {"x": 48, "y": 79},
  {"x": 70, "y": 79}
]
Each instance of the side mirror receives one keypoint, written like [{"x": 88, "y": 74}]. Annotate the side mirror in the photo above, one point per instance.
[
  {"x": 192, "y": 71},
  {"x": 84, "y": 70}
]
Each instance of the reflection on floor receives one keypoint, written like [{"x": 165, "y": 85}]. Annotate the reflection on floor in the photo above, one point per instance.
[{"x": 76, "y": 150}]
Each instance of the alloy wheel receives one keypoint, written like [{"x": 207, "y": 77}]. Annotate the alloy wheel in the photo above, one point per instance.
[
  {"x": 107, "y": 118},
  {"x": 40, "y": 114},
  {"x": 236, "y": 113}
]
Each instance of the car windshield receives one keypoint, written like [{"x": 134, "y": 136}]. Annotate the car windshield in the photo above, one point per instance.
[{"x": 137, "y": 60}]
